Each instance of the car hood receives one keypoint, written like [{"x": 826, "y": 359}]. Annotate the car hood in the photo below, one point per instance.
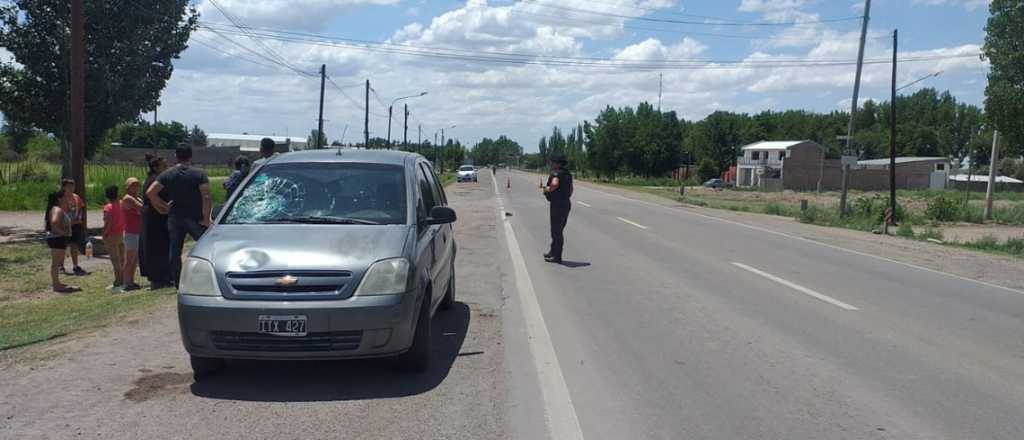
[
  {"x": 466, "y": 172},
  {"x": 261, "y": 248}
]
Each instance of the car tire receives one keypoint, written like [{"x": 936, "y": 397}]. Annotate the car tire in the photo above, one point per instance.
[
  {"x": 449, "y": 295},
  {"x": 203, "y": 367},
  {"x": 417, "y": 359}
]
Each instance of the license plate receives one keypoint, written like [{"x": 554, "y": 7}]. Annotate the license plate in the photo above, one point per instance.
[{"x": 284, "y": 325}]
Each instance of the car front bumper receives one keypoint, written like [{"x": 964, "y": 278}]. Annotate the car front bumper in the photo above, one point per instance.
[
  {"x": 358, "y": 327},
  {"x": 464, "y": 178}
]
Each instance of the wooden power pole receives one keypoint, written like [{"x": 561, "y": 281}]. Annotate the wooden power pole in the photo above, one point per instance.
[
  {"x": 320, "y": 137},
  {"x": 78, "y": 98}
]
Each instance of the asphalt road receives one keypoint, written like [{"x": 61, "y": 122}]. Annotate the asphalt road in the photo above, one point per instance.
[{"x": 667, "y": 323}]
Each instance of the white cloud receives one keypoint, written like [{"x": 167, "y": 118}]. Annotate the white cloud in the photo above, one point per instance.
[
  {"x": 221, "y": 93},
  {"x": 969, "y": 5},
  {"x": 288, "y": 14}
]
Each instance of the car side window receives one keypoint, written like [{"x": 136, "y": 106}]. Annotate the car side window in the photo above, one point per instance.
[
  {"x": 439, "y": 193},
  {"x": 437, "y": 197},
  {"x": 426, "y": 191}
]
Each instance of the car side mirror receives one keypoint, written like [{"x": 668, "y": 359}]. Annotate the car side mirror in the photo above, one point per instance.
[
  {"x": 441, "y": 215},
  {"x": 216, "y": 211}
]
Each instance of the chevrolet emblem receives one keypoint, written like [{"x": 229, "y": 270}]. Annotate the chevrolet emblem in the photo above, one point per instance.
[{"x": 287, "y": 281}]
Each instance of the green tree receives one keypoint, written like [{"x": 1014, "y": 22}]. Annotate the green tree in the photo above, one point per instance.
[
  {"x": 707, "y": 170},
  {"x": 128, "y": 49},
  {"x": 197, "y": 137},
  {"x": 311, "y": 140},
  {"x": 1004, "y": 49}
]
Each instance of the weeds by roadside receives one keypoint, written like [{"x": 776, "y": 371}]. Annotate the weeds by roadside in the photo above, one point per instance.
[{"x": 30, "y": 313}]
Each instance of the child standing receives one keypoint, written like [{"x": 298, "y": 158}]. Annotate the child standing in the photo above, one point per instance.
[
  {"x": 113, "y": 235},
  {"x": 131, "y": 205}
]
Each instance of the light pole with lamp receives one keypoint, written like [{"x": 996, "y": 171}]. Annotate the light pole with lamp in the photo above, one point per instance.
[{"x": 391, "y": 107}]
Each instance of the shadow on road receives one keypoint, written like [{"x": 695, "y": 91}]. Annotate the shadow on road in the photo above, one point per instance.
[
  {"x": 574, "y": 264},
  {"x": 318, "y": 381}
]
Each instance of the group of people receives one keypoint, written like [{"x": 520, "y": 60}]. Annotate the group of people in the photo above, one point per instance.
[{"x": 143, "y": 230}]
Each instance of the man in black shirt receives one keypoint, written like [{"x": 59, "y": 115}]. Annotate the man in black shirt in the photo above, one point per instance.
[
  {"x": 189, "y": 206},
  {"x": 558, "y": 191}
]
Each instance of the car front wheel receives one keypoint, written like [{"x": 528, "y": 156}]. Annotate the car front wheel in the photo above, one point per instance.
[{"x": 417, "y": 359}]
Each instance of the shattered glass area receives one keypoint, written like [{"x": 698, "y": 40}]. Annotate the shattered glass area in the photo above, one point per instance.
[{"x": 267, "y": 198}]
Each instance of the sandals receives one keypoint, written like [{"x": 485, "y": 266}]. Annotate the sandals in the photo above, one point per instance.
[{"x": 67, "y": 289}]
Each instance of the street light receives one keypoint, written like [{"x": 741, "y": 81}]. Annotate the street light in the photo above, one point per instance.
[
  {"x": 933, "y": 75},
  {"x": 390, "y": 107}
]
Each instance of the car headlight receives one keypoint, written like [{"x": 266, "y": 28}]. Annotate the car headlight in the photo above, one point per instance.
[
  {"x": 385, "y": 277},
  {"x": 198, "y": 278}
]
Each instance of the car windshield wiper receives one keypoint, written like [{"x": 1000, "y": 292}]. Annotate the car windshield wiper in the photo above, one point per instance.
[{"x": 323, "y": 220}]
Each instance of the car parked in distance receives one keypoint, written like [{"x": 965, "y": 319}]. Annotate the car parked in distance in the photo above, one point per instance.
[
  {"x": 326, "y": 254},
  {"x": 467, "y": 173},
  {"x": 714, "y": 183}
]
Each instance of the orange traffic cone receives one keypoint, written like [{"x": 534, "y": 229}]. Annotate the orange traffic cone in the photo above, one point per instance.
[{"x": 508, "y": 184}]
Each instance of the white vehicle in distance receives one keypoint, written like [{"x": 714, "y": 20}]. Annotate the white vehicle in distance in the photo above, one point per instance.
[{"x": 466, "y": 173}]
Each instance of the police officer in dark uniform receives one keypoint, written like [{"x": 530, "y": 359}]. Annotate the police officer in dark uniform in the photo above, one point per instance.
[{"x": 558, "y": 190}]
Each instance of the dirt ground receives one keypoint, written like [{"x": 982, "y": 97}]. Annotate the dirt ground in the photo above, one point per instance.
[{"x": 133, "y": 381}]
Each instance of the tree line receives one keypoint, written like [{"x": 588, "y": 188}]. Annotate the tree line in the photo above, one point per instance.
[{"x": 643, "y": 141}]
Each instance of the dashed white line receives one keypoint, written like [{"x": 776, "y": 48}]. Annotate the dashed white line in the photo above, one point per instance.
[
  {"x": 810, "y": 241},
  {"x": 584, "y": 204},
  {"x": 632, "y": 223},
  {"x": 796, "y": 287},
  {"x": 560, "y": 414}
]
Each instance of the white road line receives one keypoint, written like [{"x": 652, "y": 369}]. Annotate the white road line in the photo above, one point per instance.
[
  {"x": 797, "y": 287},
  {"x": 584, "y": 204},
  {"x": 632, "y": 223},
  {"x": 807, "y": 240},
  {"x": 560, "y": 414}
]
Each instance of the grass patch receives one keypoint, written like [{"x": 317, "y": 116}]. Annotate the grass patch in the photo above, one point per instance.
[
  {"x": 988, "y": 243},
  {"x": 29, "y": 313},
  {"x": 24, "y": 185}
]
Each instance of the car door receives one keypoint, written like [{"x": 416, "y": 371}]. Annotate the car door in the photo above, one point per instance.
[
  {"x": 443, "y": 246},
  {"x": 428, "y": 234}
]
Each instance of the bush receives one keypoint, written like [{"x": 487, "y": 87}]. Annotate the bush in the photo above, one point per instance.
[
  {"x": 707, "y": 170},
  {"x": 775, "y": 208},
  {"x": 931, "y": 233},
  {"x": 905, "y": 230},
  {"x": 1011, "y": 216},
  {"x": 43, "y": 148},
  {"x": 809, "y": 215},
  {"x": 943, "y": 209}
]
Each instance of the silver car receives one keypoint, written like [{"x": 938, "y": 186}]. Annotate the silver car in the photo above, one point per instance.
[{"x": 328, "y": 254}]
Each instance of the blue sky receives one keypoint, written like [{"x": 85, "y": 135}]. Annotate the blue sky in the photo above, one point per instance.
[{"x": 213, "y": 87}]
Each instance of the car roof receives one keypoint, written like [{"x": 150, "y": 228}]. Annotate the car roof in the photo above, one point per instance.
[{"x": 346, "y": 155}]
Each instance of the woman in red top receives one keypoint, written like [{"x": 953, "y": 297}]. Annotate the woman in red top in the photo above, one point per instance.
[
  {"x": 131, "y": 207},
  {"x": 113, "y": 235}
]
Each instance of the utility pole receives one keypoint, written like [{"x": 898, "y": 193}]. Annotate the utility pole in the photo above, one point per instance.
[
  {"x": 853, "y": 104},
  {"x": 992, "y": 165},
  {"x": 78, "y": 99},
  {"x": 389, "y": 125},
  {"x": 320, "y": 137},
  {"x": 419, "y": 136},
  {"x": 405, "y": 136},
  {"x": 366, "y": 120},
  {"x": 659, "y": 91},
  {"x": 892, "y": 135}
]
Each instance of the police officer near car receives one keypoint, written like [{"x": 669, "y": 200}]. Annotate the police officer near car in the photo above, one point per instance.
[{"x": 558, "y": 191}]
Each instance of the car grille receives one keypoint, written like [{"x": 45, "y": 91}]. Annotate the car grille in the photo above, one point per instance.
[
  {"x": 309, "y": 284},
  {"x": 325, "y": 341}
]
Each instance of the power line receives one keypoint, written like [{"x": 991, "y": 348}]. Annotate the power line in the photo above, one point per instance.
[
  {"x": 354, "y": 102},
  {"x": 560, "y": 21},
  {"x": 245, "y": 30},
  {"x": 217, "y": 49},
  {"x": 530, "y": 59},
  {"x": 405, "y": 48},
  {"x": 688, "y": 22}
]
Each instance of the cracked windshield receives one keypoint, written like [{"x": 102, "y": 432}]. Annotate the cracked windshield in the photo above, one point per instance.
[{"x": 512, "y": 219}]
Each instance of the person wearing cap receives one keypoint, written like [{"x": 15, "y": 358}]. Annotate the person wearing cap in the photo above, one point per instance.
[
  {"x": 558, "y": 191},
  {"x": 131, "y": 209}
]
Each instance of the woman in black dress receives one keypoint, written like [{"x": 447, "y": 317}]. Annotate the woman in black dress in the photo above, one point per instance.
[{"x": 154, "y": 244}]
